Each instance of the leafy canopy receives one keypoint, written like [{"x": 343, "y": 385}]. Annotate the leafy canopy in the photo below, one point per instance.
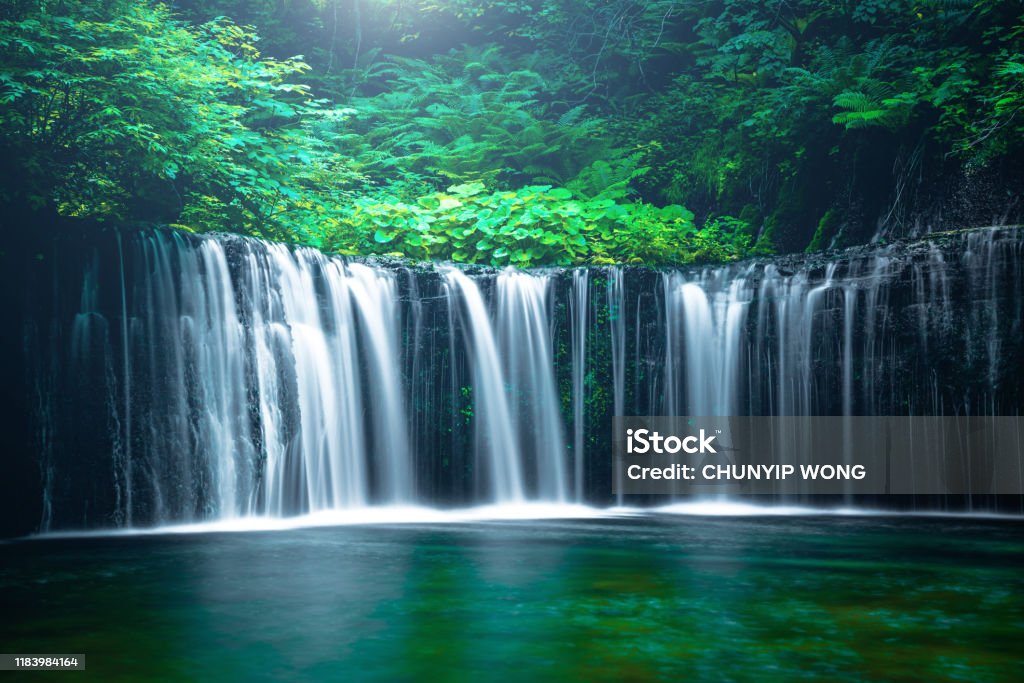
[
  {"x": 116, "y": 109},
  {"x": 502, "y": 131}
]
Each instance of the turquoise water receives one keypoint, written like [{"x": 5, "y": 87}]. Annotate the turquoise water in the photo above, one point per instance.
[{"x": 650, "y": 597}]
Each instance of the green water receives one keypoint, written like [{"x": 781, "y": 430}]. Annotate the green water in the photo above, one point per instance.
[{"x": 656, "y": 597}]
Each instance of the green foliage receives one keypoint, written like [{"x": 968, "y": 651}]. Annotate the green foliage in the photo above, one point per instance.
[
  {"x": 117, "y": 110},
  {"x": 797, "y": 93},
  {"x": 535, "y": 225},
  {"x": 462, "y": 118},
  {"x": 862, "y": 110},
  {"x": 590, "y": 123}
]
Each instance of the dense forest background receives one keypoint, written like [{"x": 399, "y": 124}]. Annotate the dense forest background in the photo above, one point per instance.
[{"x": 510, "y": 131}]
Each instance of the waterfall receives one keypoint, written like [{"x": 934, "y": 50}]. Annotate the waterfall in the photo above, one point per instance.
[
  {"x": 330, "y": 441},
  {"x": 616, "y": 301},
  {"x": 216, "y": 377},
  {"x": 705, "y": 327},
  {"x": 617, "y": 323},
  {"x": 524, "y": 335},
  {"x": 496, "y": 440},
  {"x": 375, "y": 297},
  {"x": 265, "y": 387},
  {"x": 126, "y": 452},
  {"x": 579, "y": 319}
]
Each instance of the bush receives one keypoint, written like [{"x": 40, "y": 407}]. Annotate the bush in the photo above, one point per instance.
[{"x": 532, "y": 226}]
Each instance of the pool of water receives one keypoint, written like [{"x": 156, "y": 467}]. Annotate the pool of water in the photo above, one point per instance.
[{"x": 633, "y": 597}]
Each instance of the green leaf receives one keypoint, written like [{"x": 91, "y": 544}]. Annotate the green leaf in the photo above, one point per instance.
[{"x": 467, "y": 189}]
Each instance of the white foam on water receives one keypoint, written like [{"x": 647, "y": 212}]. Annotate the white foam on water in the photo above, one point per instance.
[
  {"x": 375, "y": 515},
  {"x": 731, "y": 508},
  {"x": 418, "y": 515},
  {"x": 724, "y": 508}
]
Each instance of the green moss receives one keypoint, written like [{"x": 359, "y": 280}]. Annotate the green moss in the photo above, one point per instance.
[
  {"x": 765, "y": 244},
  {"x": 827, "y": 229}
]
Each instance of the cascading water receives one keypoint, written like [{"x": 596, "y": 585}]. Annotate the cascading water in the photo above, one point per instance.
[
  {"x": 578, "y": 323},
  {"x": 269, "y": 387},
  {"x": 496, "y": 438},
  {"x": 524, "y": 339},
  {"x": 617, "y": 321},
  {"x": 704, "y": 321},
  {"x": 217, "y": 377}
]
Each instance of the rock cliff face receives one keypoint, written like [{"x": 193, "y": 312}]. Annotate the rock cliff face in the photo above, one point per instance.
[{"x": 155, "y": 376}]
